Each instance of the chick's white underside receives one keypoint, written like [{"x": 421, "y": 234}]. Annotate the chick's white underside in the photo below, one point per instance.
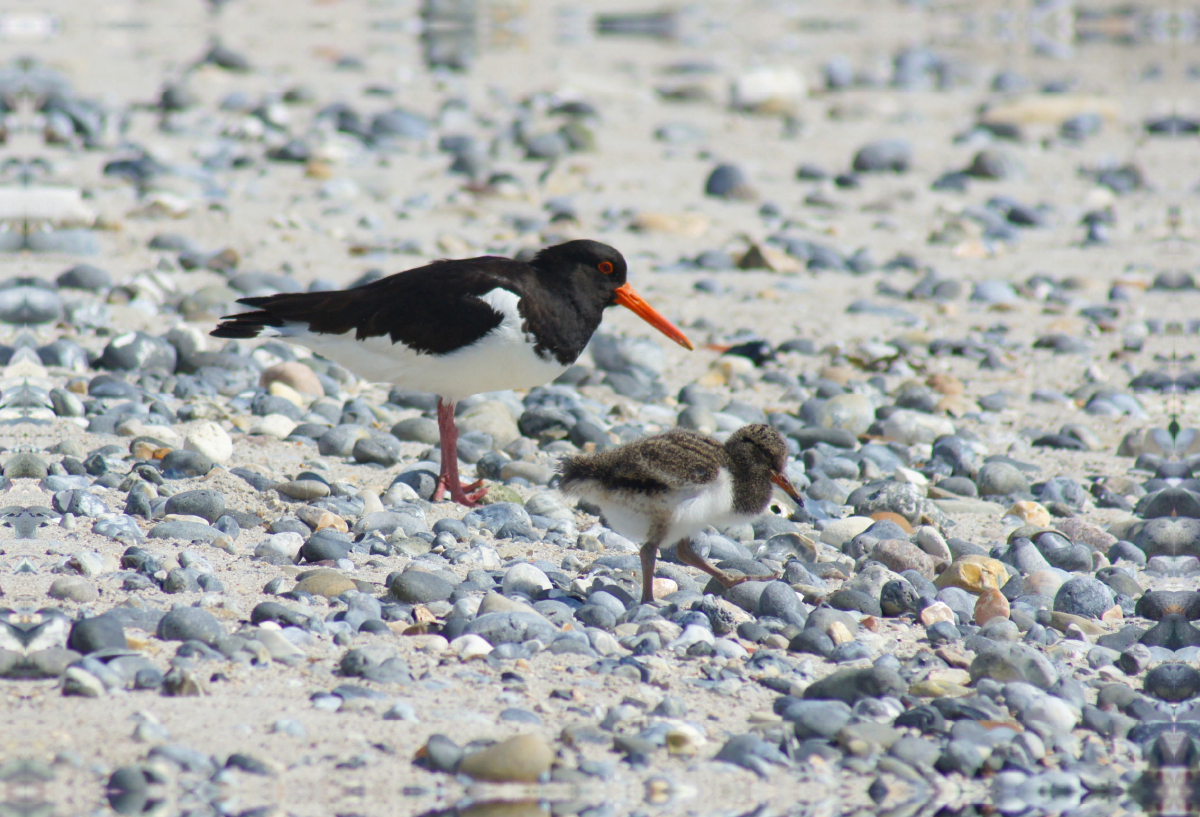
[{"x": 681, "y": 513}]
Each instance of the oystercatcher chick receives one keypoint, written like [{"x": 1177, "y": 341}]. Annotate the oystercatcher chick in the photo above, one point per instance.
[
  {"x": 457, "y": 328},
  {"x": 666, "y": 488}
]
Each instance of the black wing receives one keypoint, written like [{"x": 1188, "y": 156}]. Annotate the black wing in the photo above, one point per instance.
[{"x": 435, "y": 308}]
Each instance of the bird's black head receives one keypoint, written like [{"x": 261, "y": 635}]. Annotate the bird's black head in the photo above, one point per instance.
[
  {"x": 584, "y": 266},
  {"x": 592, "y": 275}
]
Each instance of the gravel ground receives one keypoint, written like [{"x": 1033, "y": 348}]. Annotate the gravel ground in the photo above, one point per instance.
[{"x": 949, "y": 252}]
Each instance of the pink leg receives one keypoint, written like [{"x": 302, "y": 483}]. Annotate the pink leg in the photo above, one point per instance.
[
  {"x": 690, "y": 557},
  {"x": 448, "y": 479}
]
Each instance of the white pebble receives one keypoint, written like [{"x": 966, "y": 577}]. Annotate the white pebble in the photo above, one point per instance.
[{"x": 210, "y": 440}]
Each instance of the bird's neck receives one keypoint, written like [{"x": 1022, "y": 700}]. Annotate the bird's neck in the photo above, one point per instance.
[
  {"x": 751, "y": 485},
  {"x": 567, "y": 322}
]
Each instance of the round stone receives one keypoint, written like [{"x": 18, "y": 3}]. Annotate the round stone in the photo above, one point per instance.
[
  {"x": 27, "y": 305},
  {"x": 526, "y": 579},
  {"x": 780, "y": 601},
  {"x": 900, "y": 555},
  {"x": 1083, "y": 596},
  {"x": 897, "y": 597},
  {"x": 339, "y": 441},
  {"x": 293, "y": 374},
  {"x": 187, "y": 531},
  {"x": 1172, "y": 682},
  {"x": 1006, "y": 662},
  {"x": 210, "y": 440},
  {"x": 915, "y": 427},
  {"x": 417, "y": 430},
  {"x": 991, "y": 605},
  {"x": 850, "y": 412},
  {"x": 383, "y": 451},
  {"x": 327, "y": 583},
  {"x": 1001, "y": 479},
  {"x": 303, "y": 489},
  {"x": 728, "y": 182},
  {"x": 491, "y": 417},
  {"x": 135, "y": 351},
  {"x": 190, "y": 624},
  {"x": 521, "y": 759},
  {"x": 320, "y": 548},
  {"x": 73, "y": 588},
  {"x": 529, "y": 471},
  {"x": 98, "y": 633},
  {"x": 272, "y": 425},
  {"x": 853, "y": 685},
  {"x": 207, "y": 504},
  {"x": 974, "y": 574},
  {"x": 884, "y": 155},
  {"x": 419, "y": 587},
  {"x": 512, "y": 627}
]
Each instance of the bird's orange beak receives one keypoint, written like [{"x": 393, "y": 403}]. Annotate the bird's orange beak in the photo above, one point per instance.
[
  {"x": 780, "y": 479},
  {"x": 629, "y": 299}
]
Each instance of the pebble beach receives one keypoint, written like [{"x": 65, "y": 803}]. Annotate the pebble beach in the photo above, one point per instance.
[{"x": 948, "y": 251}]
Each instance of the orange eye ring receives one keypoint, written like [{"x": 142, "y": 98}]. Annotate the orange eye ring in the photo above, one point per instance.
[{"x": 606, "y": 267}]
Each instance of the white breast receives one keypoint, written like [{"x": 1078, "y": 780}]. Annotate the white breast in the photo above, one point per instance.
[
  {"x": 683, "y": 512},
  {"x": 502, "y": 359}
]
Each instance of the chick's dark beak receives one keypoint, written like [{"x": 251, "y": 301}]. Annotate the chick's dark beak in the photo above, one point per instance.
[{"x": 780, "y": 479}]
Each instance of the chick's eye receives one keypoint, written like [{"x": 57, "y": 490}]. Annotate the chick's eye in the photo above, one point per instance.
[{"x": 606, "y": 267}]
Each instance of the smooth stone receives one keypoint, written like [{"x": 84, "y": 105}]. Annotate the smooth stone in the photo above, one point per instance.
[
  {"x": 752, "y": 752},
  {"x": 780, "y": 601},
  {"x": 840, "y": 531},
  {"x": 991, "y": 605},
  {"x": 1001, "y": 479},
  {"x": 186, "y": 531},
  {"x": 419, "y": 587},
  {"x": 188, "y": 624},
  {"x": 973, "y": 574},
  {"x": 294, "y": 375},
  {"x": 207, "y": 504},
  {"x": 417, "y": 430},
  {"x": 915, "y": 427},
  {"x": 900, "y": 555},
  {"x": 327, "y": 583},
  {"x": 512, "y": 628},
  {"x": 210, "y": 440},
  {"x": 490, "y": 417},
  {"x": 1172, "y": 682},
  {"x": 853, "y": 413},
  {"x": 385, "y": 451},
  {"x": 73, "y": 588},
  {"x": 526, "y": 579},
  {"x": 852, "y": 685},
  {"x": 1084, "y": 596},
  {"x": 883, "y": 155},
  {"x": 304, "y": 490},
  {"x": 1007, "y": 662},
  {"x": 520, "y": 759},
  {"x": 98, "y": 633}
]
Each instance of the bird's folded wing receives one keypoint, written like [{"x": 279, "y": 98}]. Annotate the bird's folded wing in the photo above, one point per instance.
[
  {"x": 667, "y": 462},
  {"x": 435, "y": 309}
]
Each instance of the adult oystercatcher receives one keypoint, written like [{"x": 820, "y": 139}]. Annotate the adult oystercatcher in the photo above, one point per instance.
[
  {"x": 457, "y": 328},
  {"x": 666, "y": 488}
]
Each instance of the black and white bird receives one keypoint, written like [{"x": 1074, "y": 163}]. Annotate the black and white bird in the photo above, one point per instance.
[
  {"x": 457, "y": 328},
  {"x": 666, "y": 488}
]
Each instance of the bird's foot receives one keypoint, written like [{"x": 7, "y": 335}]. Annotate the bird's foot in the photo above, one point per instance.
[{"x": 467, "y": 495}]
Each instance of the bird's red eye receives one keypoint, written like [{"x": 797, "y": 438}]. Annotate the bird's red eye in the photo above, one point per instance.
[{"x": 606, "y": 267}]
